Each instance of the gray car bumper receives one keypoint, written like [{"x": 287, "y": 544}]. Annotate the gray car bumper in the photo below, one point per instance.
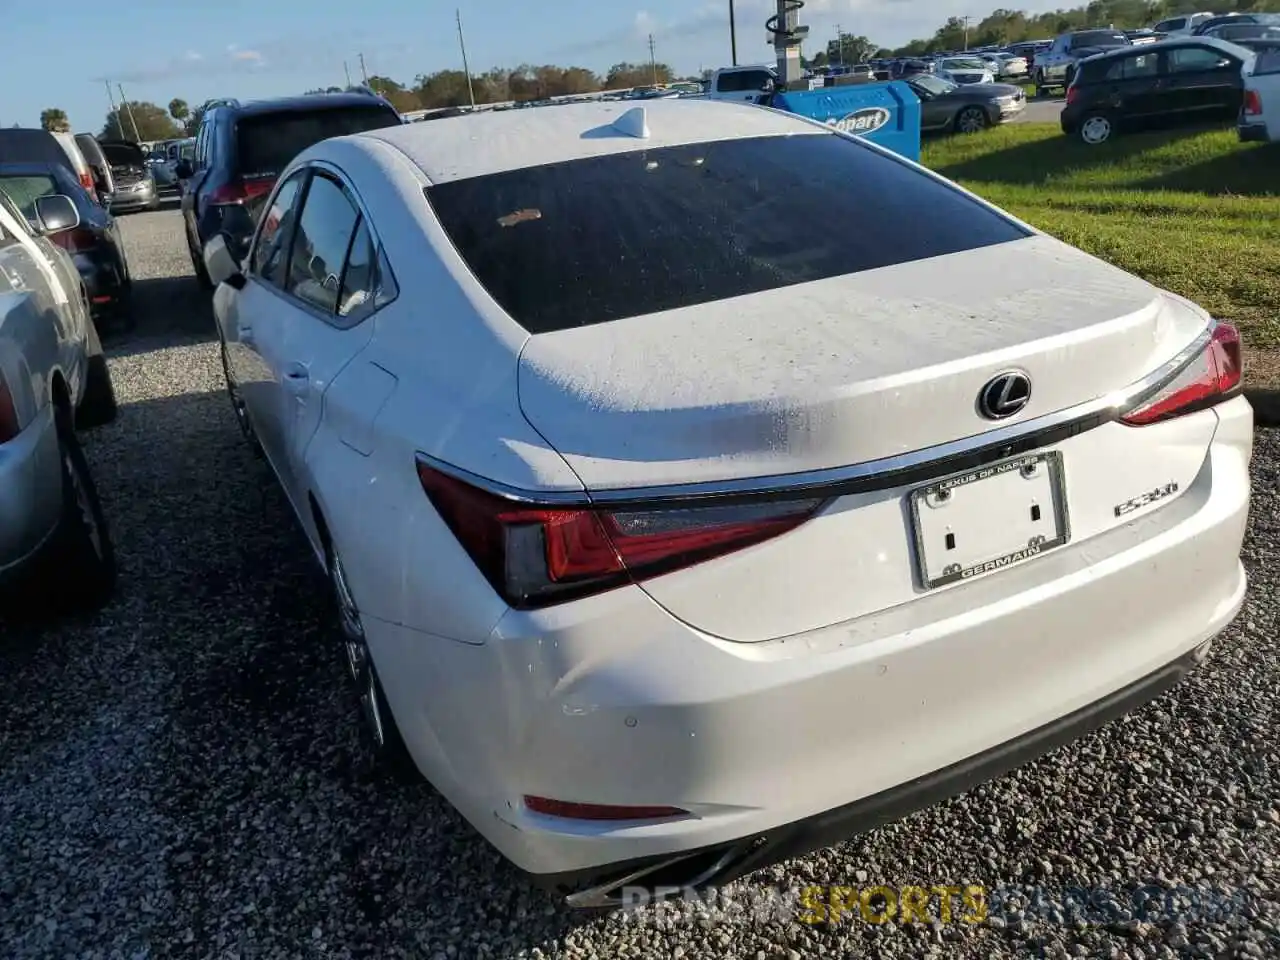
[
  {"x": 125, "y": 199},
  {"x": 30, "y": 492}
]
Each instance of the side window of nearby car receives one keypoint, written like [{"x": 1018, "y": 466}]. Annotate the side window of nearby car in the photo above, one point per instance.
[
  {"x": 270, "y": 251},
  {"x": 1134, "y": 68},
  {"x": 1197, "y": 60},
  {"x": 326, "y": 227}
]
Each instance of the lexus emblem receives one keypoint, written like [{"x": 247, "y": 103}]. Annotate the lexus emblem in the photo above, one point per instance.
[{"x": 1005, "y": 395}]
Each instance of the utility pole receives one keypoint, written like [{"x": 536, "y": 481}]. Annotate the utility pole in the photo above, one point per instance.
[
  {"x": 653, "y": 63},
  {"x": 129, "y": 110},
  {"x": 115, "y": 112},
  {"x": 733, "y": 34},
  {"x": 966, "y": 32},
  {"x": 840, "y": 43},
  {"x": 364, "y": 74},
  {"x": 347, "y": 72},
  {"x": 471, "y": 91}
]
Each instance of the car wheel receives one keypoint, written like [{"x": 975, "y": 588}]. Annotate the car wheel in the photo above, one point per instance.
[
  {"x": 98, "y": 405},
  {"x": 386, "y": 746},
  {"x": 971, "y": 120},
  {"x": 1096, "y": 128},
  {"x": 81, "y": 566},
  {"x": 197, "y": 264},
  {"x": 1039, "y": 82},
  {"x": 237, "y": 403}
]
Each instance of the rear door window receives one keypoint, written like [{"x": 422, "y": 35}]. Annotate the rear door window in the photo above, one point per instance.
[
  {"x": 266, "y": 143},
  {"x": 271, "y": 251},
  {"x": 325, "y": 228},
  {"x": 593, "y": 240},
  {"x": 1268, "y": 61},
  {"x": 1134, "y": 68},
  {"x": 1196, "y": 60}
]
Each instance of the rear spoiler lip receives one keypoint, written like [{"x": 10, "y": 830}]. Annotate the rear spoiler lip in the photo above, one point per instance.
[{"x": 917, "y": 467}]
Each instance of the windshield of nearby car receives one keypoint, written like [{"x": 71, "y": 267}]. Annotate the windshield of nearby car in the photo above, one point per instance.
[
  {"x": 936, "y": 86},
  {"x": 1100, "y": 38},
  {"x": 25, "y": 189},
  {"x": 267, "y": 142},
  {"x": 598, "y": 239},
  {"x": 963, "y": 63}
]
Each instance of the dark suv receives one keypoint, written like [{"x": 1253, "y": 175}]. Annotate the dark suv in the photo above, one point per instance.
[{"x": 240, "y": 150}]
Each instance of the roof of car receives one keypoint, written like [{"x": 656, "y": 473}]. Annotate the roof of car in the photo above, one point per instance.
[
  {"x": 311, "y": 101},
  {"x": 478, "y": 144},
  {"x": 1226, "y": 46}
]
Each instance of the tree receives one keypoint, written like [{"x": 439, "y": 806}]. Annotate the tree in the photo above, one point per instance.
[
  {"x": 400, "y": 98},
  {"x": 850, "y": 50},
  {"x": 624, "y": 75},
  {"x": 153, "y": 122},
  {"x": 55, "y": 119},
  {"x": 179, "y": 110}
]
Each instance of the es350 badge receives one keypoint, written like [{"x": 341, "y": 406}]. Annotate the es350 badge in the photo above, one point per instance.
[{"x": 864, "y": 121}]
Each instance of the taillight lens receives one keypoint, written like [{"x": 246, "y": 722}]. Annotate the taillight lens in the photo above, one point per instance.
[
  {"x": 1072, "y": 94},
  {"x": 536, "y": 555},
  {"x": 9, "y": 427},
  {"x": 75, "y": 240},
  {"x": 86, "y": 181},
  {"x": 1212, "y": 375},
  {"x": 1252, "y": 103},
  {"x": 240, "y": 191}
]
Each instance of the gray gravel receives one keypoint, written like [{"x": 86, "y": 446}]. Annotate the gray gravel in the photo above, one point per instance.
[{"x": 181, "y": 776}]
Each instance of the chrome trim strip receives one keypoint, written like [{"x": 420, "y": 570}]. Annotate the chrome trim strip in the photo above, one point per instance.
[
  {"x": 601, "y": 896},
  {"x": 919, "y": 466}
]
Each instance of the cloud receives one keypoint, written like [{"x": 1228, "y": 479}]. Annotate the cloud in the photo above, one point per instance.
[
  {"x": 192, "y": 56},
  {"x": 252, "y": 56}
]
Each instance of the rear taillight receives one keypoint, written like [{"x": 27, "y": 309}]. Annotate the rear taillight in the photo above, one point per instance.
[
  {"x": 9, "y": 427},
  {"x": 86, "y": 181},
  {"x": 535, "y": 555},
  {"x": 1073, "y": 94},
  {"x": 1212, "y": 376},
  {"x": 1252, "y": 103},
  {"x": 240, "y": 191},
  {"x": 75, "y": 240}
]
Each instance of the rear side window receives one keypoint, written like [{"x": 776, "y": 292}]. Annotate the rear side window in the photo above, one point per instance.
[
  {"x": 1196, "y": 60},
  {"x": 265, "y": 143},
  {"x": 593, "y": 240},
  {"x": 1268, "y": 61},
  {"x": 1133, "y": 68},
  {"x": 276, "y": 231}
]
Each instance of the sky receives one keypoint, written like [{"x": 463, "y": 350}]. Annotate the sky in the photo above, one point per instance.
[{"x": 59, "y": 54}]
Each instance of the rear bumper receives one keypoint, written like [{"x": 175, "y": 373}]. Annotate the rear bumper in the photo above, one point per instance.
[
  {"x": 1253, "y": 133},
  {"x": 30, "y": 493},
  {"x": 780, "y": 745},
  {"x": 102, "y": 281}
]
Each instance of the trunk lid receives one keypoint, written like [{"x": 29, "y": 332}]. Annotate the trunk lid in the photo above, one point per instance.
[{"x": 845, "y": 370}]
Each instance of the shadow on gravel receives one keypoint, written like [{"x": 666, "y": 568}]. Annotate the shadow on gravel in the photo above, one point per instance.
[
  {"x": 243, "y": 776},
  {"x": 165, "y": 309}
]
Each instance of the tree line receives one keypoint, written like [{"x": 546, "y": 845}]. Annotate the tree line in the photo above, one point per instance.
[{"x": 143, "y": 120}]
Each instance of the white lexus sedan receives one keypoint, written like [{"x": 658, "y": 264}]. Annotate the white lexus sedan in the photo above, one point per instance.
[{"x": 671, "y": 537}]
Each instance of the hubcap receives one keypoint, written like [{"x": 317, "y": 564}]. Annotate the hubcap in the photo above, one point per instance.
[
  {"x": 81, "y": 493},
  {"x": 359, "y": 664},
  {"x": 1096, "y": 129},
  {"x": 970, "y": 121}
]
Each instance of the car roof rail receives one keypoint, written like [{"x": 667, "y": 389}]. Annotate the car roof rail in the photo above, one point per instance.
[{"x": 220, "y": 102}]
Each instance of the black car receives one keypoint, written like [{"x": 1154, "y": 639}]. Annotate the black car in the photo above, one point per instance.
[
  {"x": 240, "y": 150},
  {"x": 1237, "y": 32},
  {"x": 95, "y": 244},
  {"x": 1174, "y": 82},
  {"x": 964, "y": 108},
  {"x": 1232, "y": 19}
]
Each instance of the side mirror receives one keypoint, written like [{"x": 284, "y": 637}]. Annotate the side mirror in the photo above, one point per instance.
[
  {"x": 221, "y": 265},
  {"x": 56, "y": 212},
  {"x": 182, "y": 169},
  {"x": 770, "y": 86}
]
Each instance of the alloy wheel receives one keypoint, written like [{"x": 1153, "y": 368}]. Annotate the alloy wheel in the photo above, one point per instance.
[
  {"x": 359, "y": 663},
  {"x": 237, "y": 401},
  {"x": 84, "y": 504},
  {"x": 971, "y": 120}
]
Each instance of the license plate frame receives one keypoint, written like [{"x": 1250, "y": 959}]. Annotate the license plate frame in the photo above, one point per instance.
[{"x": 1050, "y": 461}]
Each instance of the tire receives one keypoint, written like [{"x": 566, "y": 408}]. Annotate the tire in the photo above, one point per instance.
[
  {"x": 237, "y": 404},
  {"x": 79, "y": 570},
  {"x": 98, "y": 405},
  {"x": 387, "y": 752},
  {"x": 971, "y": 120},
  {"x": 1096, "y": 128},
  {"x": 197, "y": 264},
  {"x": 1039, "y": 82}
]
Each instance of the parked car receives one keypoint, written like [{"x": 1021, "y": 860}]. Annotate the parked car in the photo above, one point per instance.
[
  {"x": 1260, "y": 115},
  {"x": 22, "y": 144},
  {"x": 1235, "y": 19},
  {"x": 104, "y": 183},
  {"x": 946, "y": 105},
  {"x": 1184, "y": 81},
  {"x": 1182, "y": 26},
  {"x": 94, "y": 243},
  {"x": 135, "y": 184},
  {"x": 1138, "y": 37},
  {"x": 241, "y": 149},
  {"x": 55, "y": 547},
  {"x": 1056, "y": 66},
  {"x": 902, "y": 69},
  {"x": 965, "y": 70},
  {"x": 1010, "y": 67},
  {"x": 641, "y": 555},
  {"x": 1235, "y": 32}
]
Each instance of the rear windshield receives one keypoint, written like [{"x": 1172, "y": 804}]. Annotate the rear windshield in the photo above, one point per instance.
[
  {"x": 267, "y": 142},
  {"x": 1100, "y": 38},
  {"x": 593, "y": 240},
  {"x": 26, "y": 189}
]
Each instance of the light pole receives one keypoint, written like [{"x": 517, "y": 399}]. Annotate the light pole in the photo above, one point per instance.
[
  {"x": 733, "y": 34},
  {"x": 966, "y": 32},
  {"x": 471, "y": 92}
]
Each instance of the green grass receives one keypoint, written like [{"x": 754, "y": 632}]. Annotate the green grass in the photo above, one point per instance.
[{"x": 1196, "y": 212}]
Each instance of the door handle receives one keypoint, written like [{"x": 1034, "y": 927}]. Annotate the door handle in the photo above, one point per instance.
[
  {"x": 296, "y": 377},
  {"x": 244, "y": 334}
]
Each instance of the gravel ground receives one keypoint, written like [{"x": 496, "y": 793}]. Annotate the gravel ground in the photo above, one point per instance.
[{"x": 181, "y": 776}]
